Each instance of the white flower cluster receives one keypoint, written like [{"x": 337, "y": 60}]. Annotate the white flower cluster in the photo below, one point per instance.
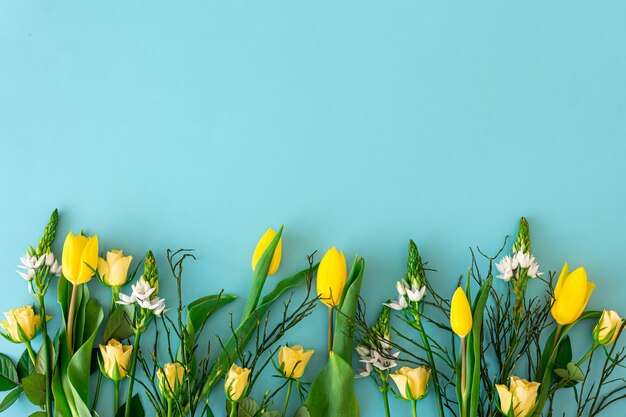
[
  {"x": 142, "y": 295},
  {"x": 406, "y": 294},
  {"x": 373, "y": 358},
  {"x": 511, "y": 266},
  {"x": 30, "y": 265}
]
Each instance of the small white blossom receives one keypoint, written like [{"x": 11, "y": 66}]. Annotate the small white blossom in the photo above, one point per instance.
[
  {"x": 400, "y": 305},
  {"x": 505, "y": 267},
  {"x": 416, "y": 294},
  {"x": 28, "y": 275},
  {"x": 533, "y": 270},
  {"x": 523, "y": 260},
  {"x": 382, "y": 360},
  {"x": 401, "y": 288},
  {"x": 127, "y": 299},
  {"x": 142, "y": 291}
]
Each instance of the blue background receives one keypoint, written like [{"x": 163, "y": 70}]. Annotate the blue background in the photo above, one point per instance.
[{"x": 359, "y": 124}]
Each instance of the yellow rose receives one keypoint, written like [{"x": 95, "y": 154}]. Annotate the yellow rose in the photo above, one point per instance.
[
  {"x": 460, "y": 313},
  {"x": 171, "y": 379},
  {"x": 412, "y": 382},
  {"x": 520, "y": 396},
  {"x": 293, "y": 360},
  {"x": 264, "y": 242},
  {"x": 332, "y": 275},
  {"x": 608, "y": 327},
  {"x": 28, "y": 321},
  {"x": 571, "y": 295},
  {"x": 236, "y": 382},
  {"x": 115, "y": 358},
  {"x": 114, "y": 270},
  {"x": 80, "y": 258}
]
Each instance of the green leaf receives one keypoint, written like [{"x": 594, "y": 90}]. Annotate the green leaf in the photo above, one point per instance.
[
  {"x": 332, "y": 392},
  {"x": 118, "y": 326},
  {"x": 35, "y": 388},
  {"x": 10, "y": 398},
  {"x": 344, "y": 323},
  {"x": 271, "y": 413},
  {"x": 564, "y": 355},
  {"x": 246, "y": 407},
  {"x": 38, "y": 414},
  {"x": 8, "y": 373},
  {"x": 136, "y": 408},
  {"x": 40, "y": 361},
  {"x": 302, "y": 412},
  {"x": 25, "y": 366}
]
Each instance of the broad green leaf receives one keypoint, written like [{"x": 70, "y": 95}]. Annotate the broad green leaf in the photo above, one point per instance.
[
  {"x": 246, "y": 407},
  {"x": 475, "y": 346},
  {"x": 118, "y": 326},
  {"x": 38, "y": 414},
  {"x": 271, "y": 413},
  {"x": 136, "y": 408},
  {"x": 40, "y": 362},
  {"x": 332, "y": 392},
  {"x": 25, "y": 366},
  {"x": 10, "y": 398},
  {"x": 344, "y": 323},
  {"x": 35, "y": 388},
  {"x": 302, "y": 412},
  {"x": 8, "y": 373}
]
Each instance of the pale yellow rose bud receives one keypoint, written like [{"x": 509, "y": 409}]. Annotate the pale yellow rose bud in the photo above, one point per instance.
[
  {"x": 22, "y": 324},
  {"x": 264, "y": 242},
  {"x": 412, "y": 382},
  {"x": 520, "y": 396},
  {"x": 607, "y": 329},
  {"x": 115, "y": 358},
  {"x": 80, "y": 258},
  {"x": 236, "y": 382},
  {"x": 114, "y": 270},
  {"x": 171, "y": 379},
  {"x": 332, "y": 275},
  {"x": 293, "y": 360}
]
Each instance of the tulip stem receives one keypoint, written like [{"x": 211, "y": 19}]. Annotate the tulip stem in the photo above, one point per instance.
[
  {"x": 287, "y": 397},
  {"x": 97, "y": 394},
  {"x": 330, "y": 329},
  {"x": 31, "y": 352},
  {"x": 463, "y": 366},
  {"x": 170, "y": 407},
  {"x": 414, "y": 407},
  {"x": 70, "y": 319},
  {"x": 116, "y": 394},
  {"x": 131, "y": 373}
]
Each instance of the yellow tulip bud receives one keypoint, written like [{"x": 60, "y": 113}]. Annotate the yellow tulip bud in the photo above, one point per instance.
[
  {"x": 115, "y": 358},
  {"x": 460, "y": 313},
  {"x": 80, "y": 258},
  {"x": 571, "y": 295},
  {"x": 332, "y": 275},
  {"x": 520, "y": 396},
  {"x": 264, "y": 242},
  {"x": 236, "y": 382},
  {"x": 293, "y": 360},
  {"x": 412, "y": 382},
  {"x": 114, "y": 270},
  {"x": 607, "y": 329},
  {"x": 24, "y": 319},
  {"x": 171, "y": 379}
]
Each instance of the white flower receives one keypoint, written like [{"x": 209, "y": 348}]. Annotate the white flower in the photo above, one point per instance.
[
  {"x": 127, "y": 299},
  {"x": 382, "y": 360},
  {"x": 416, "y": 294},
  {"x": 533, "y": 270},
  {"x": 505, "y": 267},
  {"x": 523, "y": 260},
  {"x": 400, "y": 305},
  {"x": 156, "y": 305},
  {"x": 28, "y": 275},
  {"x": 401, "y": 288},
  {"x": 31, "y": 262}
]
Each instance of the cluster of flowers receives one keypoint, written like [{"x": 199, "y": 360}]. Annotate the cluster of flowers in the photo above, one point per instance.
[
  {"x": 142, "y": 295},
  {"x": 513, "y": 266},
  {"x": 407, "y": 293},
  {"x": 31, "y": 264},
  {"x": 381, "y": 359}
]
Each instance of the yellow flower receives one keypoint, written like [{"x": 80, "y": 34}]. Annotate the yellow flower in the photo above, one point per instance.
[
  {"x": 415, "y": 379},
  {"x": 80, "y": 258},
  {"x": 236, "y": 382},
  {"x": 332, "y": 275},
  {"x": 571, "y": 295},
  {"x": 607, "y": 329},
  {"x": 28, "y": 321},
  {"x": 293, "y": 360},
  {"x": 520, "y": 396},
  {"x": 115, "y": 358},
  {"x": 171, "y": 379},
  {"x": 114, "y": 270},
  {"x": 460, "y": 313},
  {"x": 264, "y": 242}
]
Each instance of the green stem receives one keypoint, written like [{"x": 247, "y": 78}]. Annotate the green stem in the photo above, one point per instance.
[
  {"x": 131, "y": 373},
  {"x": 463, "y": 377},
  {"x": 46, "y": 355},
  {"x": 70, "y": 319},
  {"x": 287, "y": 397},
  {"x": 414, "y": 408},
  {"x": 385, "y": 394},
  {"x": 584, "y": 358},
  {"x": 330, "y": 329},
  {"x": 431, "y": 361},
  {"x": 116, "y": 395},
  {"x": 170, "y": 407},
  {"x": 97, "y": 395},
  {"x": 31, "y": 352},
  {"x": 233, "y": 409}
]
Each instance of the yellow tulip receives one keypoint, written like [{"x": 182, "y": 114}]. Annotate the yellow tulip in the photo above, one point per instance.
[
  {"x": 115, "y": 358},
  {"x": 332, "y": 275},
  {"x": 412, "y": 382},
  {"x": 171, "y": 379},
  {"x": 607, "y": 329},
  {"x": 264, "y": 242},
  {"x": 28, "y": 322},
  {"x": 520, "y": 396},
  {"x": 114, "y": 270},
  {"x": 236, "y": 382},
  {"x": 293, "y": 360},
  {"x": 460, "y": 313},
  {"x": 80, "y": 258},
  {"x": 571, "y": 295}
]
